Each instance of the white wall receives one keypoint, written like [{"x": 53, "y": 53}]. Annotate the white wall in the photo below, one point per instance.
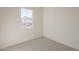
[
  {"x": 62, "y": 25},
  {"x": 10, "y": 25},
  {"x": 0, "y": 25}
]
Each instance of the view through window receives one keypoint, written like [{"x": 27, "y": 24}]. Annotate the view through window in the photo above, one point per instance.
[{"x": 26, "y": 17}]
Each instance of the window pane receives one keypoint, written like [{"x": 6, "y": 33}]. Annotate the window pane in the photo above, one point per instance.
[
  {"x": 29, "y": 13},
  {"x": 26, "y": 16},
  {"x": 23, "y": 12}
]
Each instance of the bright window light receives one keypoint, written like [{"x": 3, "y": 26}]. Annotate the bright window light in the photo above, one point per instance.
[{"x": 26, "y": 17}]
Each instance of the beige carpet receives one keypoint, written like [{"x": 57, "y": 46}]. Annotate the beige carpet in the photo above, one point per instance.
[{"x": 41, "y": 44}]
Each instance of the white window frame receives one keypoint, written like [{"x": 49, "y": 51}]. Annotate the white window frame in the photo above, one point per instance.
[{"x": 27, "y": 17}]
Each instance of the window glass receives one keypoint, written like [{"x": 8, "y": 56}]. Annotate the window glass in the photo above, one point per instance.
[{"x": 26, "y": 17}]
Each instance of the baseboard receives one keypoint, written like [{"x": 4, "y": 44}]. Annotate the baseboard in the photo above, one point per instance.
[
  {"x": 61, "y": 43},
  {"x": 39, "y": 38},
  {"x": 19, "y": 43}
]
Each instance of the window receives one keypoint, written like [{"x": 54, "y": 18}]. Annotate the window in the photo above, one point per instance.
[{"x": 26, "y": 17}]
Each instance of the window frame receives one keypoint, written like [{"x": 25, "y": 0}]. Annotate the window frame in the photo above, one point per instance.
[{"x": 23, "y": 21}]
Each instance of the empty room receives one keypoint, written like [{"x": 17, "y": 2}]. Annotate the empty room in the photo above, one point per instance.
[{"x": 39, "y": 29}]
